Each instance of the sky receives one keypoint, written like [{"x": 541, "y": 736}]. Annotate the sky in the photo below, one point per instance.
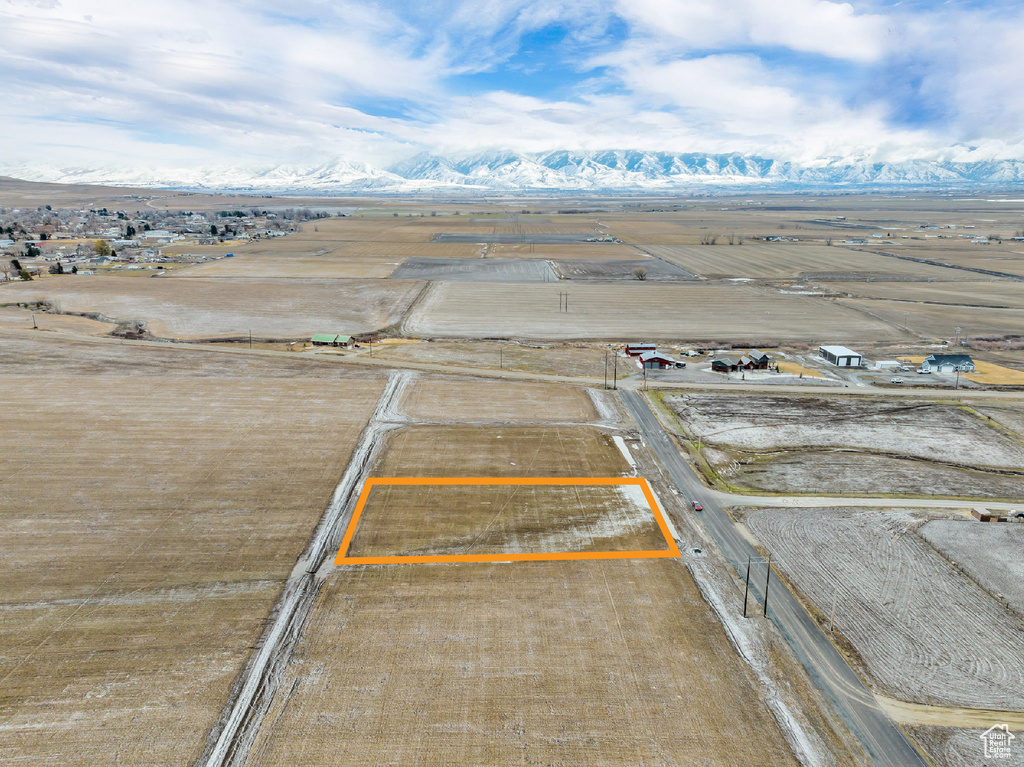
[{"x": 260, "y": 82}]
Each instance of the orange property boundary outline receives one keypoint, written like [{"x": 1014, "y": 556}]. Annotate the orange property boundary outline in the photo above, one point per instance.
[{"x": 342, "y": 559}]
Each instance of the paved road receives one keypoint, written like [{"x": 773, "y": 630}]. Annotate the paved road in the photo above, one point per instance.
[{"x": 881, "y": 738}]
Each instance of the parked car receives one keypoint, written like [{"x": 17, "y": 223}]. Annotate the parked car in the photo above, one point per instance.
[
  {"x": 696, "y": 506},
  {"x": 924, "y": 371},
  {"x": 896, "y": 380}
]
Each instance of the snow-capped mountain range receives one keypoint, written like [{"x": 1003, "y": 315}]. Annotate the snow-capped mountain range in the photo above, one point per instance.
[{"x": 506, "y": 171}]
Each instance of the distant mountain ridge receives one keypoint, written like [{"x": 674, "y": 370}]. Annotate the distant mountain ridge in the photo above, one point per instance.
[{"x": 564, "y": 170}]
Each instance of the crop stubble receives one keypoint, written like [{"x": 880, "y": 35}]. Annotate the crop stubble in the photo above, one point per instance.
[{"x": 148, "y": 525}]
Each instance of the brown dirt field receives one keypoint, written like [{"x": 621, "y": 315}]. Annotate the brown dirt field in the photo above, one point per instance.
[
  {"x": 556, "y": 663},
  {"x": 938, "y": 321},
  {"x": 594, "y": 251},
  {"x": 506, "y": 451},
  {"x": 995, "y": 294},
  {"x": 14, "y": 318},
  {"x": 557, "y": 359},
  {"x": 396, "y": 251},
  {"x": 211, "y": 308},
  {"x": 405, "y": 520},
  {"x": 454, "y": 399},
  {"x": 328, "y": 266},
  {"x": 790, "y": 260},
  {"x": 148, "y": 525},
  {"x": 622, "y": 310}
]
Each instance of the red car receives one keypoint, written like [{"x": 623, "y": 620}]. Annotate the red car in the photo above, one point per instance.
[{"x": 696, "y": 506}]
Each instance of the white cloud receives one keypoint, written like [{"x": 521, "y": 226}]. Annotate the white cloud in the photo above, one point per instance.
[{"x": 281, "y": 80}]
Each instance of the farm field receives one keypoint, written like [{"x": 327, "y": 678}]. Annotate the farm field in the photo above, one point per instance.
[
  {"x": 795, "y": 261},
  {"x": 989, "y": 553},
  {"x": 914, "y": 624},
  {"x": 327, "y": 266},
  {"x": 594, "y": 662},
  {"x": 558, "y": 359},
  {"x": 476, "y": 270},
  {"x": 938, "y": 321},
  {"x": 843, "y": 445},
  {"x": 149, "y": 518},
  {"x": 501, "y": 451},
  {"x": 434, "y": 398},
  {"x": 999, "y": 294},
  {"x": 212, "y": 308},
  {"x": 627, "y": 308},
  {"x": 608, "y": 269},
  {"x": 412, "y": 520},
  {"x": 584, "y": 252}
]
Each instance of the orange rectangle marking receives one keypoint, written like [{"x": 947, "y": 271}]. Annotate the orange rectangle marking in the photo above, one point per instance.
[{"x": 342, "y": 559}]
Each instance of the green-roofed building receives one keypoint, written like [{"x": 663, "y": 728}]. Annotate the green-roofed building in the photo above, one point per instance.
[{"x": 331, "y": 339}]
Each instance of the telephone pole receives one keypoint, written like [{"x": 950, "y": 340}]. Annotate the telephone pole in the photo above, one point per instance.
[
  {"x": 767, "y": 579},
  {"x": 250, "y": 338},
  {"x": 746, "y": 589},
  {"x": 615, "y": 369},
  {"x": 606, "y": 368}
]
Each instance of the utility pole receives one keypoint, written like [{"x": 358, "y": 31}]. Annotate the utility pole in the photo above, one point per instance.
[
  {"x": 615, "y": 370},
  {"x": 250, "y": 338},
  {"x": 606, "y": 368},
  {"x": 501, "y": 357},
  {"x": 645, "y": 374},
  {"x": 767, "y": 578},
  {"x": 957, "y": 377},
  {"x": 371, "y": 347},
  {"x": 746, "y": 589},
  {"x": 34, "y": 326}
]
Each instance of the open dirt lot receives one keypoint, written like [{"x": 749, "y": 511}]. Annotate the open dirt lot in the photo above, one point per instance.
[
  {"x": 796, "y": 261},
  {"x": 631, "y": 308},
  {"x": 476, "y": 270},
  {"x": 328, "y": 266},
  {"x": 404, "y": 520},
  {"x": 598, "y": 663},
  {"x": 458, "y": 399},
  {"x": 768, "y": 422},
  {"x": 560, "y": 359},
  {"x": 505, "y": 451},
  {"x": 839, "y": 444},
  {"x": 608, "y": 269},
  {"x": 215, "y": 308},
  {"x": 583, "y": 252},
  {"x": 851, "y": 472},
  {"x": 990, "y": 553},
  {"x": 922, "y": 631},
  {"x": 149, "y": 521},
  {"x": 940, "y": 321}
]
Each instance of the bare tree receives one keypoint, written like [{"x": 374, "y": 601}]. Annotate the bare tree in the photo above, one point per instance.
[
  {"x": 828, "y": 240},
  {"x": 709, "y": 239},
  {"x": 732, "y": 238},
  {"x": 640, "y": 273}
]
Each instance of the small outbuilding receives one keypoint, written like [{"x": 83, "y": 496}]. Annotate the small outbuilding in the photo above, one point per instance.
[
  {"x": 635, "y": 350},
  {"x": 840, "y": 356},
  {"x": 948, "y": 363}
]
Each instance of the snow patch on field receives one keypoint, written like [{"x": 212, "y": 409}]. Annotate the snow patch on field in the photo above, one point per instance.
[{"x": 620, "y": 443}]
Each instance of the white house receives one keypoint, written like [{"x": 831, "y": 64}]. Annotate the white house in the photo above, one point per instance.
[{"x": 948, "y": 363}]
